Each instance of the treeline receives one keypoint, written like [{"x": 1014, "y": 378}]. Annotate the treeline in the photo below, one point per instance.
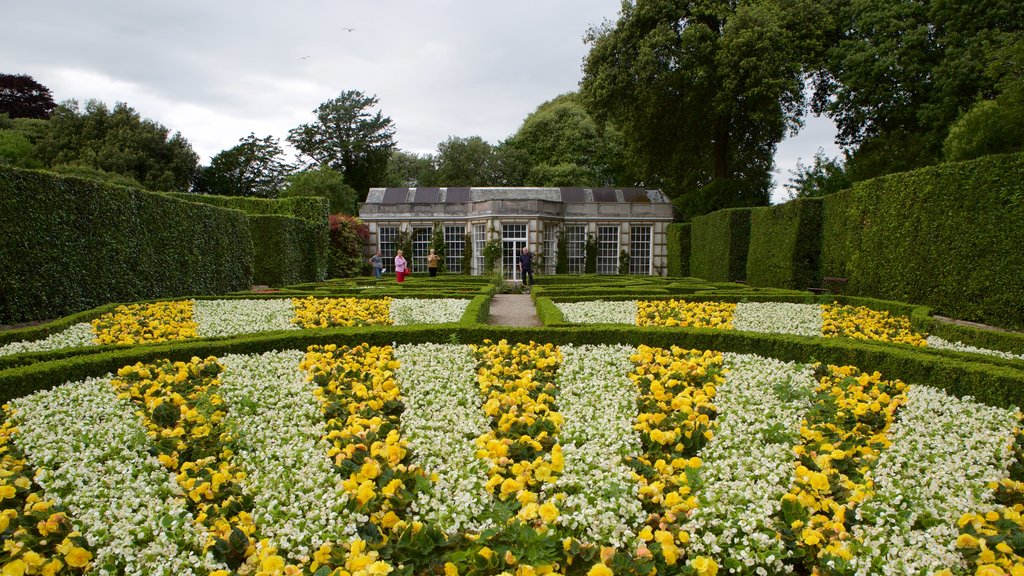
[{"x": 691, "y": 97}]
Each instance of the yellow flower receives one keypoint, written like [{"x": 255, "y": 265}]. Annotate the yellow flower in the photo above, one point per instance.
[
  {"x": 486, "y": 553},
  {"x": 14, "y": 568},
  {"x": 549, "y": 512},
  {"x": 705, "y": 566},
  {"x": 272, "y": 563},
  {"x": 600, "y": 570},
  {"x": 450, "y": 569},
  {"x": 989, "y": 570},
  {"x": 78, "y": 557}
]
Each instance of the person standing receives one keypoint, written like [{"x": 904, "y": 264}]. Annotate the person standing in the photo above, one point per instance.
[
  {"x": 432, "y": 263},
  {"x": 378, "y": 264},
  {"x": 400, "y": 267},
  {"x": 526, "y": 266}
]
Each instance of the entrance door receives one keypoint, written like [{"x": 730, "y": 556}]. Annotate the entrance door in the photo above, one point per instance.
[{"x": 513, "y": 240}]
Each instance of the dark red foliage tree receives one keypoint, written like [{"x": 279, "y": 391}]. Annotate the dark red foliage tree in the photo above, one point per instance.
[{"x": 23, "y": 97}]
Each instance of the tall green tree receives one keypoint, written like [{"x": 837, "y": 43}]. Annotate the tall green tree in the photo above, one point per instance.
[
  {"x": 255, "y": 167},
  {"x": 22, "y": 97},
  {"x": 409, "y": 169},
  {"x": 898, "y": 74},
  {"x": 703, "y": 91},
  {"x": 350, "y": 137},
  {"x": 566, "y": 147},
  {"x": 464, "y": 162},
  {"x": 119, "y": 141},
  {"x": 824, "y": 176},
  {"x": 325, "y": 182}
]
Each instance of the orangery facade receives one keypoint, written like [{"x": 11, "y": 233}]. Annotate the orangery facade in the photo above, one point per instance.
[{"x": 622, "y": 221}]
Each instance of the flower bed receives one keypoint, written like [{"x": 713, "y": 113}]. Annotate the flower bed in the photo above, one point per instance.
[
  {"x": 525, "y": 459},
  {"x": 181, "y": 320}
]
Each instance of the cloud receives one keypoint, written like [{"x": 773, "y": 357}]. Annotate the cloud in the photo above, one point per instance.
[{"x": 216, "y": 71}]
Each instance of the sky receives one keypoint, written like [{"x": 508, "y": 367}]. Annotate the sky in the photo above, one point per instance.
[{"x": 216, "y": 70}]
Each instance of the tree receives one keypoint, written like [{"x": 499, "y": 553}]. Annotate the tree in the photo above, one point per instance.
[
  {"x": 22, "y": 97},
  {"x": 325, "y": 182},
  {"x": 561, "y": 138},
  {"x": 350, "y": 139},
  {"x": 348, "y": 237},
  {"x": 464, "y": 162},
  {"x": 408, "y": 169},
  {"x": 703, "y": 91},
  {"x": 16, "y": 150},
  {"x": 825, "y": 176},
  {"x": 118, "y": 141},
  {"x": 255, "y": 167},
  {"x": 898, "y": 74}
]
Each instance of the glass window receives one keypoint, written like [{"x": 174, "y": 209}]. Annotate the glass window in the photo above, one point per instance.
[
  {"x": 550, "y": 248},
  {"x": 420, "y": 246},
  {"x": 454, "y": 242},
  {"x": 479, "y": 239},
  {"x": 576, "y": 237},
  {"x": 607, "y": 249},
  {"x": 640, "y": 250},
  {"x": 386, "y": 236}
]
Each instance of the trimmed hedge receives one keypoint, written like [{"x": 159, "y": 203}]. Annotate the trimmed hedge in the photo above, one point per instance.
[
  {"x": 719, "y": 244},
  {"x": 69, "y": 244},
  {"x": 785, "y": 245},
  {"x": 988, "y": 382},
  {"x": 284, "y": 254},
  {"x": 679, "y": 249},
  {"x": 947, "y": 236}
]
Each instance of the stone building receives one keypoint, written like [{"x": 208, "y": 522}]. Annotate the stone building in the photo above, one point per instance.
[{"x": 630, "y": 220}]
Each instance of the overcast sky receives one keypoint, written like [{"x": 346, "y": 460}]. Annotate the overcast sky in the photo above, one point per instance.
[{"x": 216, "y": 70}]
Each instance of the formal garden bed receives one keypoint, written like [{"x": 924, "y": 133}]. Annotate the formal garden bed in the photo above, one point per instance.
[{"x": 326, "y": 434}]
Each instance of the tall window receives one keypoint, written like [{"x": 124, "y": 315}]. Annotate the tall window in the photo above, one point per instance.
[
  {"x": 550, "y": 248},
  {"x": 386, "y": 236},
  {"x": 455, "y": 242},
  {"x": 640, "y": 250},
  {"x": 479, "y": 239},
  {"x": 607, "y": 249},
  {"x": 576, "y": 237},
  {"x": 420, "y": 246}
]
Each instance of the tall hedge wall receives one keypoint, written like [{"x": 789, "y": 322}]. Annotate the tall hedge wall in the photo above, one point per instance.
[
  {"x": 719, "y": 243},
  {"x": 272, "y": 266},
  {"x": 679, "y": 249},
  {"x": 948, "y": 236},
  {"x": 68, "y": 244},
  {"x": 785, "y": 245}
]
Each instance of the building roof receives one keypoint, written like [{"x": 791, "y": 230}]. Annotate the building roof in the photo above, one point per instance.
[{"x": 461, "y": 195}]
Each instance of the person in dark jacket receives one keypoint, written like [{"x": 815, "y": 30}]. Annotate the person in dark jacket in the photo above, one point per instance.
[{"x": 526, "y": 266}]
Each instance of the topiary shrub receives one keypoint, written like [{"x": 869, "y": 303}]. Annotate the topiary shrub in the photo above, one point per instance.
[
  {"x": 785, "y": 245},
  {"x": 719, "y": 244},
  {"x": 678, "y": 249}
]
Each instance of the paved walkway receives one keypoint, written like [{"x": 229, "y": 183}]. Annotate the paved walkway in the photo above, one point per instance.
[{"x": 513, "y": 310}]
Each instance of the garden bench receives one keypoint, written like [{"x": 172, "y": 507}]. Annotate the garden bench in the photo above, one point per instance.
[{"x": 835, "y": 282}]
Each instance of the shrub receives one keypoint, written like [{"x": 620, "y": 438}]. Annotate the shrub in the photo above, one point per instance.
[
  {"x": 947, "y": 236},
  {"x": 679, "y": 249},
  {"x": 785, "y": 245},
  {"x": 719, "y": 244},
  {"x": 69, "y": 244},
  {"x": 348, "y": 236}
]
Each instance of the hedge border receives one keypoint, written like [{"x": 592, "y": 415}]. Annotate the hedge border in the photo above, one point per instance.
[{"x": 988, "y": 382}]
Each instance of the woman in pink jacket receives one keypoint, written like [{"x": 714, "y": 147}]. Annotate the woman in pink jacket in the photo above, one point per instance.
[{"x": 400, "y": 267}]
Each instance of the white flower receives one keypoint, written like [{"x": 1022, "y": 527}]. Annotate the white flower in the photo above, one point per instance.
[
  {"x": 748, "y": 465},
  {"x": 77, "y": 335},
  {"x": 92, "y": 457},
  {"x": 936, "y": 342},
  {"x": 944, "y": 451},
  {"x": 778, "y": 318},
  {"x": 298, "y": 500},
  {"x": 599, "y": 312},
  {"x": 233, "y": 317},
  {"x": 598, "y": 402},
  {"x": 405, "y": 311},
  {"x": 442, "y": 419}
]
